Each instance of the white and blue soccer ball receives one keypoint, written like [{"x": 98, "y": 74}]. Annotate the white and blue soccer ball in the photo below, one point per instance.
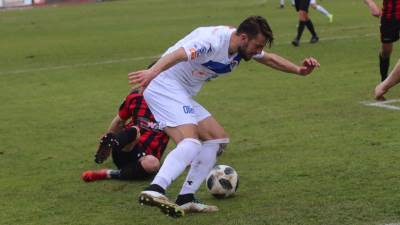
[{"x": 222, "y": 181}]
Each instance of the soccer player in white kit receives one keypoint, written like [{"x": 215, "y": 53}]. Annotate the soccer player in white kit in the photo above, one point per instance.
[
  {"x": 321, "y": 9},
  {"x": 204, "y": 54},
  {"x": 314, "y": 5}
]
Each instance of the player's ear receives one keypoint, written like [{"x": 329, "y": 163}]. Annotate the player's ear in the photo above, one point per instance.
[{"x": 243, "y": 37}]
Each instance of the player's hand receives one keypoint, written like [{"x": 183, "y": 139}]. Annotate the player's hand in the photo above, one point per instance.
[
  {"x": 380, "y": 90},
  {"x": 308, "y": 65},
  {"x": 142, "y": 77},
  {"x": 375, "y": 11}
]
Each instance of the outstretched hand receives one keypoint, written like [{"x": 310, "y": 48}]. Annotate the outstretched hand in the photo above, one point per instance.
[
  {"x": 375, "y": 11},
  {"x": 308, "y": 65},
  {"x": 141, "y": 77}
]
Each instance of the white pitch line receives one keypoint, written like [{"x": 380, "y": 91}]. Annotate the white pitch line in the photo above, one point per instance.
[
  {"x": 78, "y": 65},
  {"x": 348, "y": 37},
  {"x": 383, "y": 104},
  {"x": 32, "y": 70}
]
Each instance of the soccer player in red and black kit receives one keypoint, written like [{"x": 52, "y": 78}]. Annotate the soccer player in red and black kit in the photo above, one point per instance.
[
  {"x": 390, "y": 28},
  {"x": 304, "y": 21},
  {"x": 135, "y": 151}
]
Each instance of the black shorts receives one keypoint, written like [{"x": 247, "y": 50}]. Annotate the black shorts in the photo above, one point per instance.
[
  {"x": 390, "y": 30},
  {"x": 302, "y": 5},
  {"x": 128, "y": 162}
]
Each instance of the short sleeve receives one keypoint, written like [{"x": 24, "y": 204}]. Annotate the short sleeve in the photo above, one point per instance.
[
  {"x": 125, "y": 110},
  {"x": 200, "y": 50}
]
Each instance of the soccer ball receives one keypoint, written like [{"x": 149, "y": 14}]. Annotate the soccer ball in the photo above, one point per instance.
[{"x": 222, "y": 181}]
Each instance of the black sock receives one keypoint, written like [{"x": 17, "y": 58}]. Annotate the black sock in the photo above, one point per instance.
[
  {"x": 155, "y": 187},
  {"x": 384, "y": 66},
  {"x": 182, "y": 199},
  {"x": 135, "y": 171},
  {"x": 310, "y": 27},
  {"x": 126, "y": 136},
  {"x": 300, "y": 29}
]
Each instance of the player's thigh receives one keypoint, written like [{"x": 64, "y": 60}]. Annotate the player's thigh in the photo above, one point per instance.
[
  {"x": 123, "y": 159},
  {"x": 208, "y": 126},
  {"x": 181, "y": 132},
  {"x": 210, "y": 129}
]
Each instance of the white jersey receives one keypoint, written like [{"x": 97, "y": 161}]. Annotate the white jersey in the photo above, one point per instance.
[{"x": 207, "y": 52}]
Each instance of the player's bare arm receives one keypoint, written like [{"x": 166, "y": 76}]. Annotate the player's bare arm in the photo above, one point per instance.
[
  {"x": 116, "y": 125},
  {"x": 143, "y": 77},
  {"x": 375, "y": 11},
  {"x": 279, "y": 63}
]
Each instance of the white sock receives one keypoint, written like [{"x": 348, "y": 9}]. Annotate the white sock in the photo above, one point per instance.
[
  {"x": 176, "y": 161},
  {"x": 202, "y": 165},
  {"x": 322, "y": 10},
  {"x": 282, "y": 2}
]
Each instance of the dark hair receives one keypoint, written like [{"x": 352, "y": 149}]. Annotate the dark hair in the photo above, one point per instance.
[{"x": 254, "y": 25}]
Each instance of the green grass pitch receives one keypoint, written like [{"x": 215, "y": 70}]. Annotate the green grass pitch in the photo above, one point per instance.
[{"x": 307, "y": 151}]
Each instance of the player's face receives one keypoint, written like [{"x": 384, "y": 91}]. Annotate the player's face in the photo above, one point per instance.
[{"x": 251, "y": 47}]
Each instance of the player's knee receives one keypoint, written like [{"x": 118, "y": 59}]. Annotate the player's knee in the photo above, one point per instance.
[
  {"x": 303, "y": 15},
  {"x": 193, "y": 143},
  {"x": 150, "y": 164}
]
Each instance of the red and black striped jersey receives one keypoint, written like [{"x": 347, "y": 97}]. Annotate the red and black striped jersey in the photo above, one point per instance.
[
  {"x": 135, "y": 108},
  {"x": 391, "y": 9}
]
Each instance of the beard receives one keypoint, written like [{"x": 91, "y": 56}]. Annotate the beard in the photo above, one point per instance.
[{"x": 243, "y": 54}]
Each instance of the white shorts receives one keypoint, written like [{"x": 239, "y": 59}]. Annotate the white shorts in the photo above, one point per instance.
[
  {"x": 313, "y": 2},
  {"x": 171, "y": 105}
]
